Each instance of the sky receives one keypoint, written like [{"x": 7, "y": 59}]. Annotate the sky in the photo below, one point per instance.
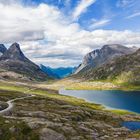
[{"x": 58, "y": 33}]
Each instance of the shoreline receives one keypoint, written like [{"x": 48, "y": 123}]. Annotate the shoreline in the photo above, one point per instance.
[
  {"x": 105, "y": 107},
  {"x": 91, "y": 85}
]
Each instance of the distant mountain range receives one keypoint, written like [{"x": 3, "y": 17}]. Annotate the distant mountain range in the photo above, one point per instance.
[
  {"x": 58, "y": 73},
  {"x": 111, "y": 62},
  {"x": 14, "y": 64}
]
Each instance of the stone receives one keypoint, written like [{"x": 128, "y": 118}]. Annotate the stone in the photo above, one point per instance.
[{"x": 49, "y": 134}]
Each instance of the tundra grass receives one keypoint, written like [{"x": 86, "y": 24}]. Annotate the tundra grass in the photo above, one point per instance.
[{"x": 13, "y": 87}]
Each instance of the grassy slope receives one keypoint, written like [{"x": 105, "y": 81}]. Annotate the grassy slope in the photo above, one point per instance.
[{"x": 74, "y": 84}]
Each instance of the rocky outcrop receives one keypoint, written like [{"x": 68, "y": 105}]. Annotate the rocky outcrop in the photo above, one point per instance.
[{"x": 48, "y": 134}]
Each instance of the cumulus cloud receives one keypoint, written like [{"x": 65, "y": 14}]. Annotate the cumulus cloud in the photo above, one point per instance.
[
  {"x": 70, "y": 51},
  {"x": 48, "y": 37},
  {"x": 82, "y": 7},
  {"x": 32, "y": 23}
]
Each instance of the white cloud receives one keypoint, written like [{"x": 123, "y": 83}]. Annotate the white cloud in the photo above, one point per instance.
[
  {"x": 52, "y": 39},
  {"x": 133, "y": 15},
  {"x": 32, "y": 23},
  {"x": 82, "y": 7},
  {"x": 70, "y": 51},
  {"x": 99, "y": 23}
]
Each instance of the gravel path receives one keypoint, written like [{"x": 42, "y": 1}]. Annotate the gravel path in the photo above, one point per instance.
[{"x": 10, "y": 102}]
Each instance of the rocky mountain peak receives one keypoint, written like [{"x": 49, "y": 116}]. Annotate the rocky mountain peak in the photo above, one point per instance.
[
  {"x": 14, "y": 52},
  {"x": 15, "y": 46},
  {"x": 103, "y": 55},
  {"x": 13, "y": 60}
]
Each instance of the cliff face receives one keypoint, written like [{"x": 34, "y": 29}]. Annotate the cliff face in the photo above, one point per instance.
[{"x": 103, "y": 55}]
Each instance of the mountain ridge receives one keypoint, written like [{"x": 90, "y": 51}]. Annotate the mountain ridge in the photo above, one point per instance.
[
  {"x": 125, "y": 69},
  {"x": 100, "y": 56}
]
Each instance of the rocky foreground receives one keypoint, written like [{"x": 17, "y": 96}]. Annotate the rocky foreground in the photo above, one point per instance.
[{"x": 49, "y": 116}]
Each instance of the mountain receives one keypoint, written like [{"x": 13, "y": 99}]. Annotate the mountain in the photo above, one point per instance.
[
  {"x": 61, "y": 72},
  {"x": 124, "y": 69},
  {"x": 3, "y": 49},
  {"x": 49, "y": 71},
  {"x": 103, "y": 55},
  {"x": 13, "y": 60}
]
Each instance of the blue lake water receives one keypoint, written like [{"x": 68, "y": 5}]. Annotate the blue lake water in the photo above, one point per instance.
[
  {"x": 132, "y": 125},
  {"x": 127, "y": 100}
]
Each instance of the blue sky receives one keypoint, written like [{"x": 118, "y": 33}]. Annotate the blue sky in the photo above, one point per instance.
[
  {"x": 119, "y": 12},
  {"x": 60, "y": 32}
]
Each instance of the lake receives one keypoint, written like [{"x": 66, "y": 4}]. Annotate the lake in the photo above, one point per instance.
[
  {"x": 132, "y": 125},
  {"x": 127, "y": 100}
]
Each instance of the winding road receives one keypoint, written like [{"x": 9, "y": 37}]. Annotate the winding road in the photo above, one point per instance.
[{"x": 10, "y": 102}]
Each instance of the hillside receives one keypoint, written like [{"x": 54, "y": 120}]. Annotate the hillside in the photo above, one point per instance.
[{"x": 124, "y": 69}]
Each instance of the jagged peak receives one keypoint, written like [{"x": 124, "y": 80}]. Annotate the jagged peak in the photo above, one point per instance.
[
  {"x": 14, "y": 52},
  {"x": 15, "y": 46}
]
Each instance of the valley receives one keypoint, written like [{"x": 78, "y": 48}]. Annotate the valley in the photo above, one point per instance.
[
  {"x": 32, "y": 108},
  {"x": 69, "y": 69}
]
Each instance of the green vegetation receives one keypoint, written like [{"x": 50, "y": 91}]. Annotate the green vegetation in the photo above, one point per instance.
[
  {"x": 71, "y": 84},
  {"x": 15, "y": 130},
  {"x": 13, "y": 87}
]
